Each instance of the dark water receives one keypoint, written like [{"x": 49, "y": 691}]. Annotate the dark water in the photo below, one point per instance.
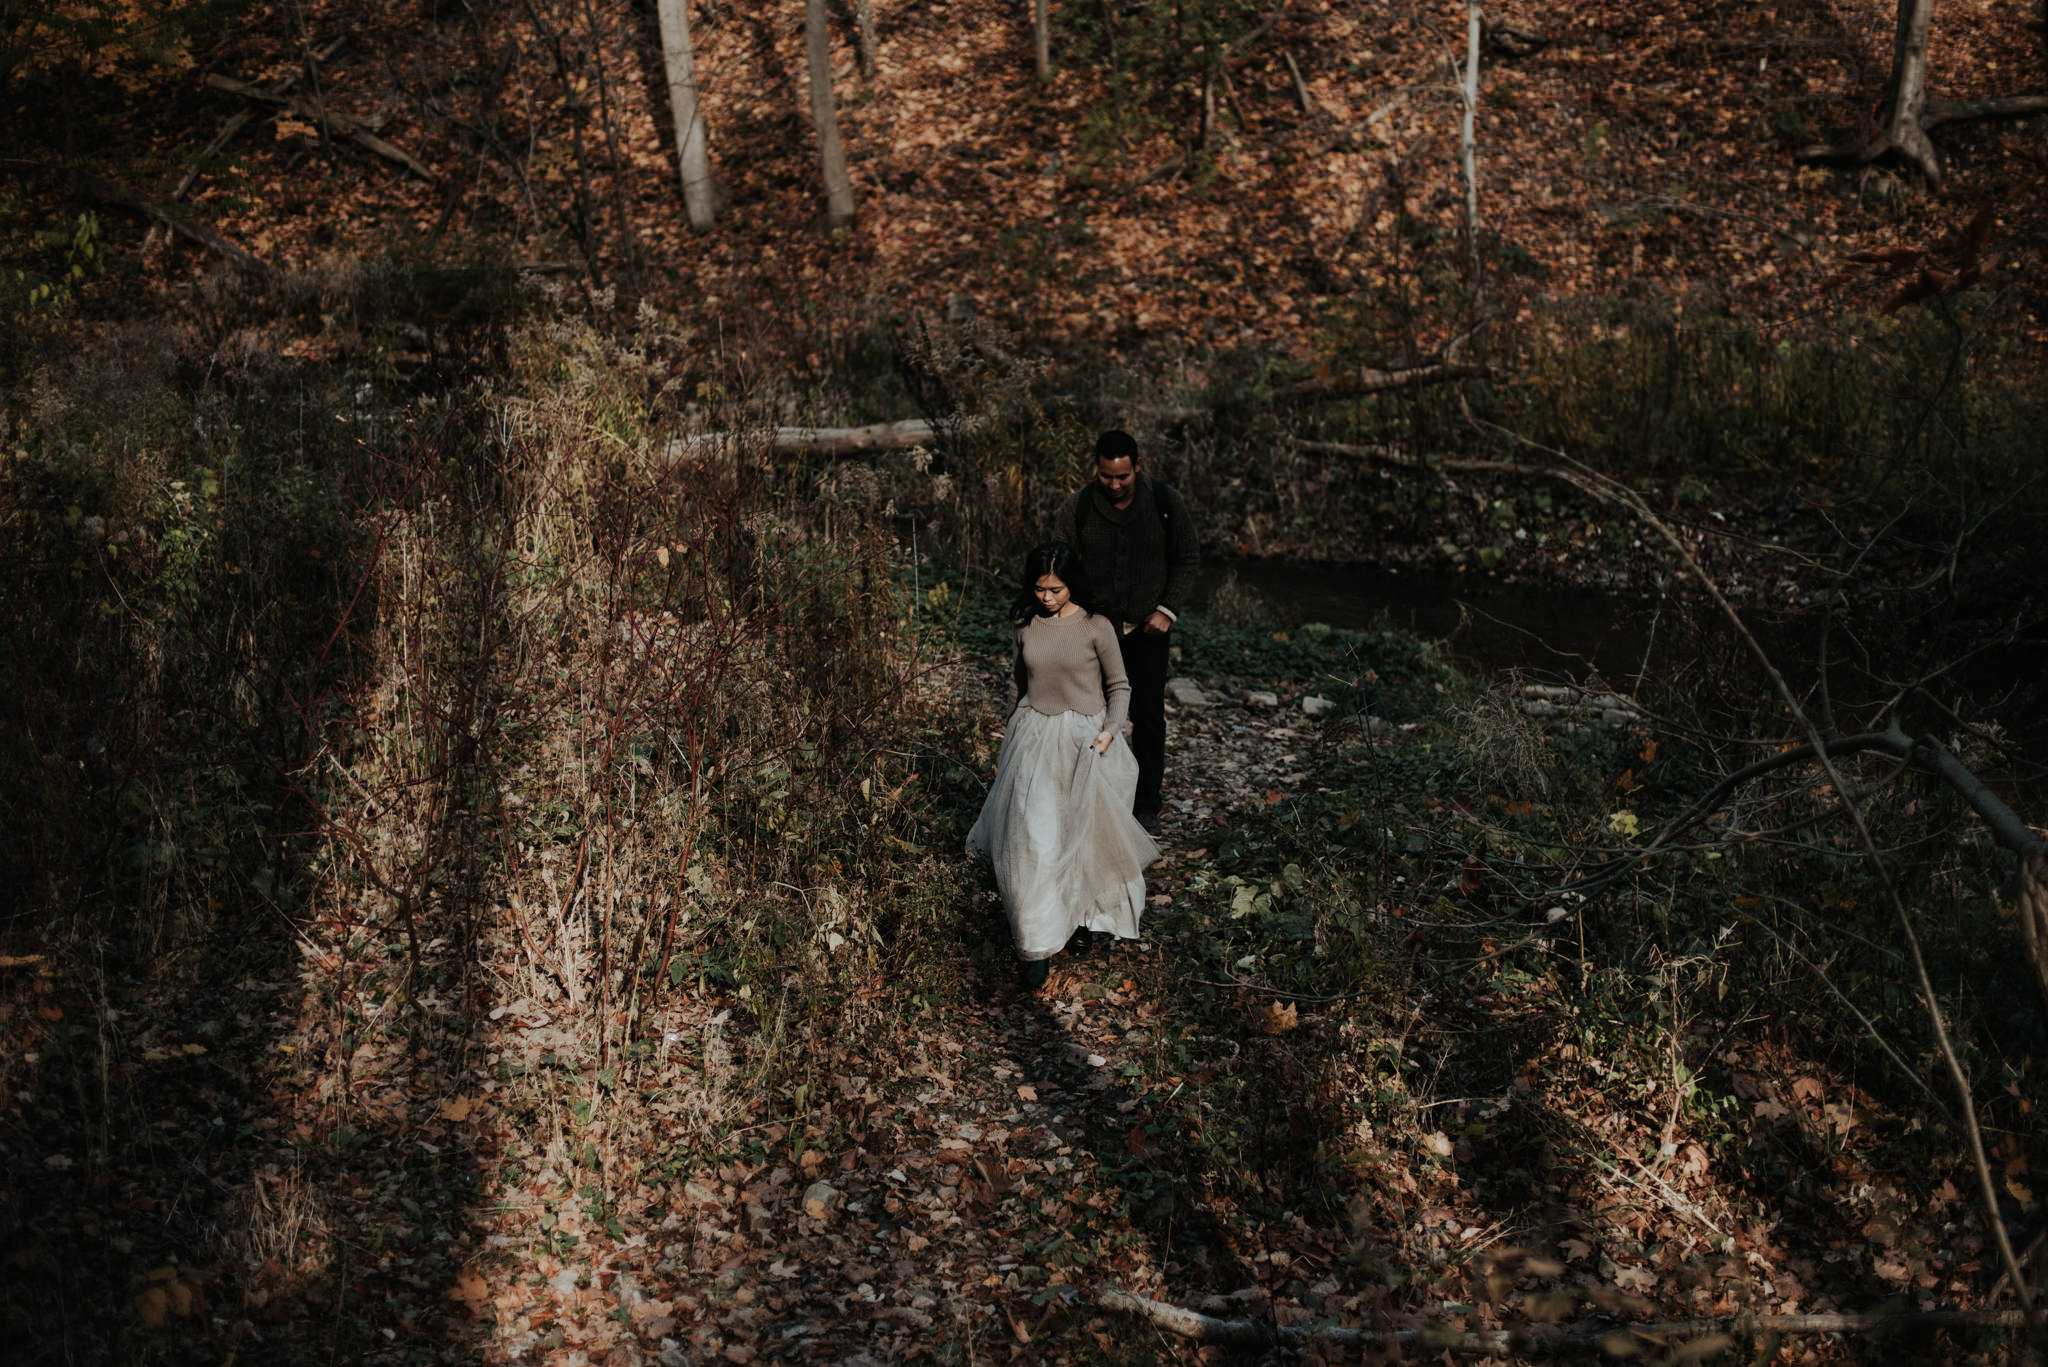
[
  {"x": 1493, "y": 625},
  {"x": 1619, "y": 638}
]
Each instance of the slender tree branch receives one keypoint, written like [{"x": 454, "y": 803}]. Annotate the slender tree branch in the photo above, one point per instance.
[{"x": 1539, "y": 1338}]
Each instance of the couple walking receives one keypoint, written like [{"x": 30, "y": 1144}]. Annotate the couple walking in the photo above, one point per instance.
[{"x": 1069, "y": 820}]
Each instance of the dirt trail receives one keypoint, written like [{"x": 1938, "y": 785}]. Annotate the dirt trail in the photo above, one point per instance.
[{"x": 1006, "y": 1166}]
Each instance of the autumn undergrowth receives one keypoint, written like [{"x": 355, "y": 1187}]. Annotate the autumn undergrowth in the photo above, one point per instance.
[
  {"x": 1880, "y": 444},
  {"x": 1724, "y": 1038},
  {"x": 473, "y": 805},
  {"x": 1434, "y": 991},
  {"x": 468, "y": 806}
]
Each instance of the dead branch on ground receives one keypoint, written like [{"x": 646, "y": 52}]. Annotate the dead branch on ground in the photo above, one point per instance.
[
  {"x": 1627, "y": 1339},
  {"x": 111, "y": 192},
  {"x": 359, "y": 131}
]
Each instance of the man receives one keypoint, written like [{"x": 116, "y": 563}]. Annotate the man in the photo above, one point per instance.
[{"x": 1142, "y": 555}]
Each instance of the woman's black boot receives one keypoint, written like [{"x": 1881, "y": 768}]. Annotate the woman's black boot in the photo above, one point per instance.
[{"x": 1032, "y": 972}]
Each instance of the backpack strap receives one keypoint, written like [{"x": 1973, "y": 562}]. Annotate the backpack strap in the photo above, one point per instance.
[{"x": 1159, "y": 506}]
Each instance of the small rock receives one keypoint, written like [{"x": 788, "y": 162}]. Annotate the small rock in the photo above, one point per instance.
[
  {"x": 563, "y": 1283},
  {"x": 1260, "y": 698},
  {"x": 822, "y": 1200},
  {"x": 1317, "y": 707},
  {"x": 1186, "y": 692}
]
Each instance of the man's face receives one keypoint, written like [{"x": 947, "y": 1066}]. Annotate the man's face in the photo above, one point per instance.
[{"x": 1118, "y": 478}]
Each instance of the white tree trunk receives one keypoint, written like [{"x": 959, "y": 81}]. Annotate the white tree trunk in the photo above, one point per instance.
[
  {"x": 1906, "y": 93},
  {"x": 1041, "y": 38},
  {"x": 818, "y": 49},
  {"x": 693, "y": 147},
  {"x": 864, "y": 29},
  {"x": 1468, "y": 154}
]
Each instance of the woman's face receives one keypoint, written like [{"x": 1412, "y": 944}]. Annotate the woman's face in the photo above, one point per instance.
[{"x": 1053, "y": 594}]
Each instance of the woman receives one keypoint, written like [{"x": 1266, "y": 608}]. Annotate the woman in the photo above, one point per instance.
[{"x": 1069, "y": 857}]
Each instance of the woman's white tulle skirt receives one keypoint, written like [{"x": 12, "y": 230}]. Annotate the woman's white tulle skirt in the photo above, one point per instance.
[{"x": 1058, "y": 829}]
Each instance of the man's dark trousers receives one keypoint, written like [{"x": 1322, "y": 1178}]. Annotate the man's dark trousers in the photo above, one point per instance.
[{"x": 1145, "y": 657}]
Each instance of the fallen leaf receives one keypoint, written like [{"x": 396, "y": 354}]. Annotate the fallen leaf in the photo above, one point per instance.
[
  {"x": 455, "y": 1109},
  {"x": 471, "y": 1292},
  {"x": 1280, "y": 1019},
  {"x": 153, "y": 1305},
  {"x": 1027, "y": 1094}
]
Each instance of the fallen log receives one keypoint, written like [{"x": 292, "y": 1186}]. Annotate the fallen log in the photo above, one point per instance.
[
  {"x": 357, "y": 130},
  {"x": 281, "y": 86},
  {"x": 902, "y": 435},
  {"x": 1368, "y": 380},
  {"x": 1396, "y": 459},
  {"x": 1614, "y": 1338},
  {"x": 105, "y": 191}
]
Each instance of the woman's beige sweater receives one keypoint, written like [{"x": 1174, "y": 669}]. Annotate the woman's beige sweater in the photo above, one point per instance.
[{"x": 1073, "y": 664}]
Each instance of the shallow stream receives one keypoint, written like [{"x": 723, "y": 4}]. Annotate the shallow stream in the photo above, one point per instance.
[
  {"x": 1567, "y": 632},
  {"x": 1581, "y": 635}
]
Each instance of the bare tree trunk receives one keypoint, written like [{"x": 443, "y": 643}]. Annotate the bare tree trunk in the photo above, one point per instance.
[
  {"x": 864, "y": 32},
  {"x": 817, "y": 47},
  {"x": 1906, "y": 93},
  {"x": 1041, "y": 38},
  {"x": 1468, "y": 156},
  {"x": 693, "y": 150},
  {"x": 1908, "y": 115}
]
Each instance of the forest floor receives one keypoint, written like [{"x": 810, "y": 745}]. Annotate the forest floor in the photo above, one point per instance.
[
  {"x": 1626, "y": 154},
  {"x": 969, "y": 1176},
  {"x": 257, "y": 1138}
]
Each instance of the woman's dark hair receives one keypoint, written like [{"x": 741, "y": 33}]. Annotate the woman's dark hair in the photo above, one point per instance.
[{"x": 1058, "y": 558}]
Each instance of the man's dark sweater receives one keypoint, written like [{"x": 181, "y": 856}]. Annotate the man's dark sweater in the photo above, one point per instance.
[{"x": 1135, "y": 565}]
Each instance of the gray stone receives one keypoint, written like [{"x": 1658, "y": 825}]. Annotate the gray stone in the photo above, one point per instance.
[
  {"x": 1317, "y": 707},
  {"x": 1186, "y": 692},
  {"x": 1260, "y": 698},
  {"x": 822, "y": 1200}
]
